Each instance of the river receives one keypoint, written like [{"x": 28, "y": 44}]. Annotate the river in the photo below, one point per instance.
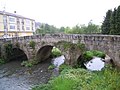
[{"x": 15, "y": 77}]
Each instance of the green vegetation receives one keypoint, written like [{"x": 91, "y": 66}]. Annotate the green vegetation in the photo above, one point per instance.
[
  {"x": 81, "y": 79},
  {"x": 88, "y": 55},
  {"x": 78, "y": 29},
  {"x": 71, "y": 46},
  {"x": 111, "y": 23},
  {"x": 8, "y": 51},
  {"x": 83, "y": 29},
  {"x": 51, "y": 67},
  {"x": 32, "y": 44},
  {"x": 46, "y": 28},
  {"x": 56, "y": 52},
  {"x": 2, "y": 61},
  {"x": 29, "y": 63}
]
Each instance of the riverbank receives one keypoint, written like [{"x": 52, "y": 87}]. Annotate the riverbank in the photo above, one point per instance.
[
  {"x": 82, "y": 79},
  {"x": 15, "y": 77}
]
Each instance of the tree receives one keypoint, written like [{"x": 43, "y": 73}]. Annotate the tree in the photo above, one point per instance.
[
  {"x": 46, "y": 28},
  {"x": 113, "y": 22},
  {"x": 62, "y": 30},
  {"x": 92, "y": 28},
  {"x": 117, "y": 31},
  {"x": 106, "y": 23}
]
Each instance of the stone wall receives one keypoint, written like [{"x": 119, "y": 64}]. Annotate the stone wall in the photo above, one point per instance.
[{"x": 110, "y": 44}]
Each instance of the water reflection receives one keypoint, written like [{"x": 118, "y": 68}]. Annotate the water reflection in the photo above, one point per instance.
[
  {"x": 96, "y": 64},
  {"x": 58, "y": 61}
]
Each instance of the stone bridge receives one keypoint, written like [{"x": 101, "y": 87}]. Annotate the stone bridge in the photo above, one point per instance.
[{"x": 42, "y": 45}]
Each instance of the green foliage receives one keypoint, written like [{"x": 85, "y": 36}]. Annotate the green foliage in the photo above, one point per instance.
[
  {"x": 70, "y": 46},
  {"x": 64, "y": 66},
  {"x": 17, "y": 44},
  {"x": 51, "y": 67},
  {"x": 81, "y": 79},
  {"x": 78, "y": 29},
  {"x": 98, "y": 53},
  {"x": 2, "y": 61},
  {"x": 42, "y": 87},
  {"x": 32, "y": 44},
  {"x": 111, "y": 23},
  {"x": 88, "y": 55},
  {"x": 46, "y": 28},
  {"x": 56, "y": 52},
  {"x": 106, "y": 23},
  {"x": 82, "y": 29},
  {"x": 29, "y": 63},
  {"x": 8, "y": 50}
]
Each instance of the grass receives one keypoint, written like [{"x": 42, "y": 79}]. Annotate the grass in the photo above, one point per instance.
[
  {"x": 51, "y": 67},
  {"x": 82, "y": 79}
]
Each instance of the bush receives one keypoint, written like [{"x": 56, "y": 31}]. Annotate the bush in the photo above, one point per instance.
[
  {"x": 2, "y": 61},
  {"x": 98, "y": 53},
  {"x": 29, "y": 63},
  {"x": 81, "y": 79},
  {"x": 32, "y": 44},
  {"x": 63, "y": 67},
  {"x": 51, "y": 67},
  {"x": 56, "y": 52},
  {"x": 88, "y": 55}
]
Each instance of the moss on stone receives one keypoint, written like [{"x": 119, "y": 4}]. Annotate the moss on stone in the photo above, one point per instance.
[
  {"x": 69, "y": 45},
  {"x": 32, "y": 44}
]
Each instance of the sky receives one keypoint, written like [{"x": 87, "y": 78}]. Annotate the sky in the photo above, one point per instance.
[{"x": 61, "y": 12}]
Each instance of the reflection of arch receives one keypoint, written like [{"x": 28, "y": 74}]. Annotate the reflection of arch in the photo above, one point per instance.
[
  {"x": 43, "y": 53},
  {"x": 18, "y": 54},
  {"x": 106, "y": 58}
]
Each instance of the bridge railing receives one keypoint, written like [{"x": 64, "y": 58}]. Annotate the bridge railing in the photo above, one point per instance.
[{"x": 65, "y": 36}]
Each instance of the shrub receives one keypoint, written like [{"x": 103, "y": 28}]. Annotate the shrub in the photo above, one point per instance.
[
  {"x": 88, "y": 55},
  {"x": 63, "y": 67},
  {"x": 51, "y": 67},
  {"x": 56, "y": 52},
  {"x": 2, "y": 61},
  {"x": 32, "y": 44},
  {"x": 98, "y": 53},
  {"x": 81, "y": 79},
  {"x": 29, "y": 63}
]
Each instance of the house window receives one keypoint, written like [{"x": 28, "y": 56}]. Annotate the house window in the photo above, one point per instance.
[
  {"x": 27, "y": 28},
  {"x": 22, "y": 21},
  {"x": 11, "y": 19},
  {"x": 28, "y": 22},
  {"x": 12, "y": 26},
  {"x": 22, "y": 27}
]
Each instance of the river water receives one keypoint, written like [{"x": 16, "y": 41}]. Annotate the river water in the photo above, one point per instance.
[{"x": 15, "y": 77}]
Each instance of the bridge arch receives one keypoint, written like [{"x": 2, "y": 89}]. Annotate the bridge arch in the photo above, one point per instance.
[
  {"x": 18, "y": 54},
  {"x": 44, "y": 53}
]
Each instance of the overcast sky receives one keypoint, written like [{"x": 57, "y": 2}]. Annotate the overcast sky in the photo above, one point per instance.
[{"x": 61, "y": 12}]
